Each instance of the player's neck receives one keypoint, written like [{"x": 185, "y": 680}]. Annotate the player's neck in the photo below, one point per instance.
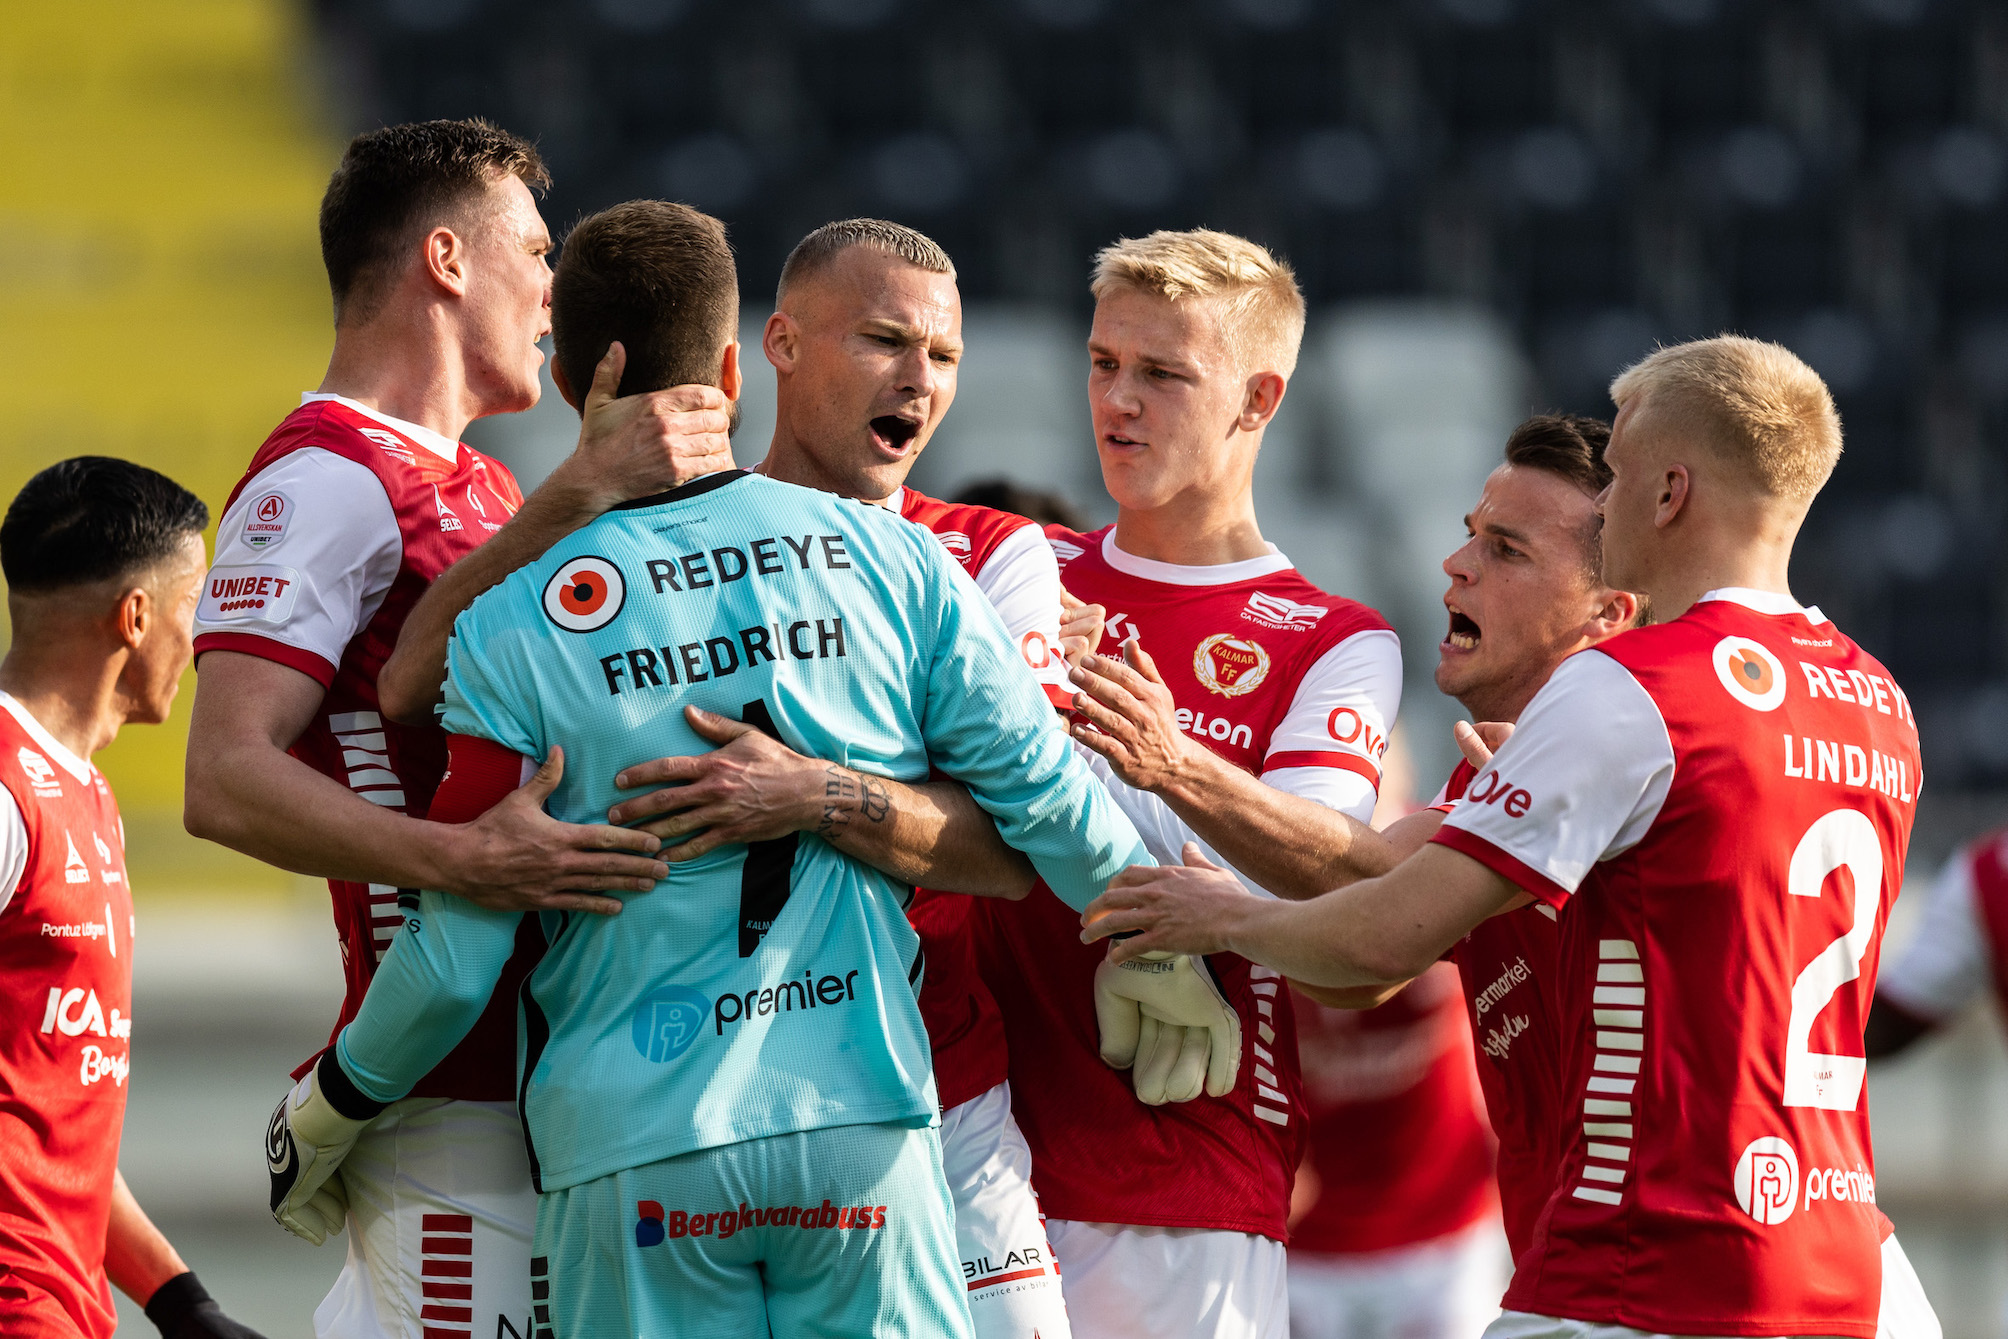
[
  {"x": 787, "y": 462},
  {"x": 1192, "y": 532},
  {"x": 1752, "y": 568},
  {"x": 404, "y": 373},
  {"x": 72, "y": 693}
]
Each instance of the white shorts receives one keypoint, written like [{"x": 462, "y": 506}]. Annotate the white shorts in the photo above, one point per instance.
[
  {"x": 441, "y": 1213},
  {"x": 1904, "y": 1313},
  {"x": 1171, "y": 1282},
  {"x": 1448, "y": 1288},
  {"x": 1014, "y": 1287}
]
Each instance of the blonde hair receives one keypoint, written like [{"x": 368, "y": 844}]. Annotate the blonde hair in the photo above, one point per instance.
[
  {"x": 1261, "y": 307},
  {"x": 1755, "y": 404}
]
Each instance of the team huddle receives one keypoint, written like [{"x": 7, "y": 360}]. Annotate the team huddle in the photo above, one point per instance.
[{"x": 773, "y": 901}]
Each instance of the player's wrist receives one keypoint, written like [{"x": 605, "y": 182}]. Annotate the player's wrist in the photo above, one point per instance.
[{"x": 1190, "y": 778}]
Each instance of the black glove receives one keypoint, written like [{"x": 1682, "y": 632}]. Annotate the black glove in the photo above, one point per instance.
[{"x": 183, "y": 1309}]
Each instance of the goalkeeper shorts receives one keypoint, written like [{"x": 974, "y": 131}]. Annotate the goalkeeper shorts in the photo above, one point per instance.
[{"x": 845, "y": 1232}]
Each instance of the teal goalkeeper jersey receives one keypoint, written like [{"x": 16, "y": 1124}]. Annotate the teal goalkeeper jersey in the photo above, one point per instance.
[{"x": 760, "y": 989}]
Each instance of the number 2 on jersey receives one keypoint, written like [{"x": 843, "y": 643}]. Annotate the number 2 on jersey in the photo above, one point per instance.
[{"x": 1846, "y": 839}]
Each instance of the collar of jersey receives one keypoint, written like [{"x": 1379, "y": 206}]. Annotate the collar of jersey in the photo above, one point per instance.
[
  {"x": 445, "y": 448},
  {"x": 52, "y": 746},
  {"x": 1765, "y": 602},
  {"x": 695, "y": 487},
  {"x": 1176, "y": 574}
]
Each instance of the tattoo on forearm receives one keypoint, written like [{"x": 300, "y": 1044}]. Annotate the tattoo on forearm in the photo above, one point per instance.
[{"x": 846, "y": 793}]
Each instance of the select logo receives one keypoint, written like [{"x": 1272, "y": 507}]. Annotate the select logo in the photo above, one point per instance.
[{"x": 585, "y": 594}]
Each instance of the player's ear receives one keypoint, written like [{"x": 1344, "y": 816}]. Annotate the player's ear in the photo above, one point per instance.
[
  {"x": 1262, "y": 399},
  {"x": 133, "y": 617},
  {"x": 781, "y": 341},
  {"x": 1620, "y": 610},
  {"x": 445, "y": 258},
  {"x": 731, "y": 379}
]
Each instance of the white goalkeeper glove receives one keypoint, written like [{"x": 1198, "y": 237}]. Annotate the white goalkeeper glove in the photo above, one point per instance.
[
  {"x": 304, "y": 1148},
  {"x": 1163, "y": 1018}
]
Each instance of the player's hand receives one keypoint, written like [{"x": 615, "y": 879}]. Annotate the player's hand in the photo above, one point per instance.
[
  {"x": 633, "y": 446},
  {"x": 304, "y": 1148},
  {"x": 1130, "y": 718},
  {"x": 751, "y": 788},
  {"x": 516, "y": 857},
  {"x": 183, "y": 1309},
  {"x": 1080, "y": 626},
  {"x": 1189, "y": 908},
  {"x": 1163, "y": 1018},
  {"x": 1479, "y": 742}
]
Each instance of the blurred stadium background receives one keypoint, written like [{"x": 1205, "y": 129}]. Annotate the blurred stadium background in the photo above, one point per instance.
[{"x": 1493, "y": 205}]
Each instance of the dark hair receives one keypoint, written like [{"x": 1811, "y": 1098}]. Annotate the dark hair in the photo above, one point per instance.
[
  {"x": 656, "y": 276},
  {"x": 393, "y": 180},
  {"x": 92, "y": 518},
  {"x": 1032, "y": 504},
  {"x": 1571, "y": 445},
  {"x": 814, "y": 252}
]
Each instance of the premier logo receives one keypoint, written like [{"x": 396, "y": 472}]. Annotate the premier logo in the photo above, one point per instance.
[{"x": 669, "y": 1019}]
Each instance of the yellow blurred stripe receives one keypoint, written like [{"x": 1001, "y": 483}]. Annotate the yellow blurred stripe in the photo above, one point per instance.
[{"x": 161, "y": 296}]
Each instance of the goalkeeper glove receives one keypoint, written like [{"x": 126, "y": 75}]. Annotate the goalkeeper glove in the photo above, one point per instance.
[
  {"x": 313, "y": 1129},
  {"x": 183, "y": 1309},
  {"x": 1163, "y": 1018}
]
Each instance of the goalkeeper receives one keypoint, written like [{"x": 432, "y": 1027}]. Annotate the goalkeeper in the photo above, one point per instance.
[{"x": 726, "y": 1091}]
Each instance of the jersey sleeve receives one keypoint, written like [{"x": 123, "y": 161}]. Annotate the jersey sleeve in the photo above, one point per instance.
[
  {"x": 295, "y": 588},
  {"x": 434, "y": 983},
  {"x": 1021, "y": 579},
  {"x": 488, "y": 689},
  {"x": 1328, "y": 746},
  {"x": 14, "y": 846},
  {"x": 990, "y": 728},
  {"x": 1580, "y": 781},
  {"x": 1945, "y": 964}
]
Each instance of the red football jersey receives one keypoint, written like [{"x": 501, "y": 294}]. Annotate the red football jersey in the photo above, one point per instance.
[
  {"x": 1398, "y": 1150},
  {"x": 343, "y": 519},
  {"x": 1285, "y": 680},
  {"x": 1725, "y": 801},
  {"x": 1009, "y": 560},
  {"x": 1507, "y": 965},
  {"x": 66, "y": 931}
]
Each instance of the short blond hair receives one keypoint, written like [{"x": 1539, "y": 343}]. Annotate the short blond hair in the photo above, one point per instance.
[
  {"x": 1756, "y": 404},
  {"x": 1261, "y": 307}
]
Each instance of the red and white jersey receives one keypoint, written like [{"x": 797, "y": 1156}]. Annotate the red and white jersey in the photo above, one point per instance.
[
  {"x": 1289, "y": 682},
  {"x": 1398, "y": 1151},
  {"x": 1507, "y": 964},
  {"x": 1961, "y": 944},
  {"x": 1724, "y": 801},
  {"x": 343, "y": 519},
  {"x": 66, "y": 931},
  {"x": 1009, "y": 560}
]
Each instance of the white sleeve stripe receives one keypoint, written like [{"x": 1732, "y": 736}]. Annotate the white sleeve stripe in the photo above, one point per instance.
[
  {"x": 1344, "y": 704},
  {"x": 13, "y": 847}
]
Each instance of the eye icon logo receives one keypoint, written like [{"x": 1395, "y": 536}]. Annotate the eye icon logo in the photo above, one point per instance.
[
  {"x": 667, "y": 1021},
  {"x": 585, "y": 595},
  {"x": 1767, "y": 1181},
  {"x": 1753, "y": 676}
]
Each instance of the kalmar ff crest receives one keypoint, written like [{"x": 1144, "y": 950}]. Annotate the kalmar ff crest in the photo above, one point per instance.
[{"x": 1230, "y": 665}]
